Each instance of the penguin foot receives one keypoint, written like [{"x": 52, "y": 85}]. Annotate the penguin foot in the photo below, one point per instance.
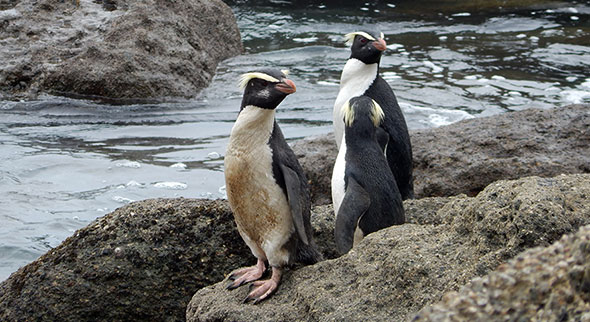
[
  {"x": 246, "y": 275},
  {"x": 262, "y": 289}
]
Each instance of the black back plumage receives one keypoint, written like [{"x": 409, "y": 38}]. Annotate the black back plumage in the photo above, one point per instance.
[
  {"x": 371, "y": 192},
  {"x": 399, "y": 147},
  {"x": 289, "y": 175}
]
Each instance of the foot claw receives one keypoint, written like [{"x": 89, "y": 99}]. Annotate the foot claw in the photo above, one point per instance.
[
  {"x": 262, "y": 289},
  {"x": 245, "y": 275}
]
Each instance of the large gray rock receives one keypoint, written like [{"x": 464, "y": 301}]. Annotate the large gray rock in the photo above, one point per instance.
[
  {"x": 124, "y": 49},
  {"x": 143, "y": 262},
  {"x": 395, "y": 272},
  {"x": 543, "y": 284},
  {"x": 466, "y": 156}
]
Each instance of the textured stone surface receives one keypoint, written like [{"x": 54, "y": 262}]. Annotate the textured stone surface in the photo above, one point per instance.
[
  {"x": 143, "y": 262},
  {"x": 395, "y": 272},
  {"x": 466, "y": 156},
  {"x": 124, "y": 49},
  {"x": 542, "y": 284}
]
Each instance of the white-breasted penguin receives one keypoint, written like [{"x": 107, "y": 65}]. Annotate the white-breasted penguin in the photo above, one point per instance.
[
  {"x": 360, "y": 76},
  {"x": 266, "y": 187},
  {"x": 364, "y": 191}
]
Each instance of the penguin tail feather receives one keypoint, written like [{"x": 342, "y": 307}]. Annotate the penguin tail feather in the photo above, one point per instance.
[{"x": 308, "y": 254}]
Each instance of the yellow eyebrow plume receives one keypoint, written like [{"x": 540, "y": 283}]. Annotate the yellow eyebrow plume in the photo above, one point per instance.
[
  {"x": 245, "y": 78},
  {"x": 377, "y": 114},
  {"x": 348, "y": 113},
  {"x": 350, "y": 36}
]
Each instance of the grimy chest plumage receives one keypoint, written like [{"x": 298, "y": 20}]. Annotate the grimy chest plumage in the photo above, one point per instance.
[{"x": 259, "y": 204}]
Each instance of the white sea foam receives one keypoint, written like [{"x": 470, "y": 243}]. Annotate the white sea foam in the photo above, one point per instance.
[
  {"x": 395, "y": 46},
  {"x": 498, "y": 77},
  {"x": 305, "y": 40},
  {"x": 178, "y": 165},
  {"x": 435, "y": 69},
  {"x": 390, "y": 76},
  {"x": 520, "y": 36},
  {"x": 575, "y": 96},
  {"x": 213, "y": 155},
  {"x": 328, "y": 83},
  {"x": 170, "y": 185},
  {"x": 122, "y": 199},
  {"x": 461, "y": 14},
  {"x": 430, "y": 117},
  {"x": 133, "y": 183},
  {"x": 128, "y": 164}
]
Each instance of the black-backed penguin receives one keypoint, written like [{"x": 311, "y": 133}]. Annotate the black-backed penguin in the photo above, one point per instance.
[
  {"x": 266, "y": 187},
  {"x": 360, "y": 76},
  {"x": 364, "y": 192}
]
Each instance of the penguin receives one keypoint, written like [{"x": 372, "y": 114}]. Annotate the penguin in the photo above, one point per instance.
[
  {"x": 365, "y": 194},
  {"x": 360, "y": 76},
  {"x": 266, "y": 188}
]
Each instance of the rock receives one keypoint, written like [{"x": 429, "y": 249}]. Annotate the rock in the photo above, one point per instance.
[
  {"x": 317, "y": 155},
  {"x": 544, "y": 284},
  {"x": 395, "y": 272},
  {"x": 466, "y": 156},
  {"x": 114, "y": 49},
  {"x": 142, "y": 262}
]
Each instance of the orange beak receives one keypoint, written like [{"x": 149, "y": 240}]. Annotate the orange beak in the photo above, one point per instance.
[
  {"x": 286, "y": 86},
  {"x": 380, "y": 44}
]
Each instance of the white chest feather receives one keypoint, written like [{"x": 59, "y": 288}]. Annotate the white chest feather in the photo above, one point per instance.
[
  {"x": 259, "y": 204},
  {"x": 338, "y": 177},
  {"x": 355, "y": 80}
]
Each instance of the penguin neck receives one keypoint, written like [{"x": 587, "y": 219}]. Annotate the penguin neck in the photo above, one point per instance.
[
  {"x": 359, "y": 73},
  {"x": 355, "y": 80},
  {"x": 359, "y": 136},
  {"x": 254, "y": 126}
]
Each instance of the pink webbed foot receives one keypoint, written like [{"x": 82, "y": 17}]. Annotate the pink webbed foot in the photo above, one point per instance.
[
  {"x": 262, "y": 289},
  {"x": 246, "y": 275}
]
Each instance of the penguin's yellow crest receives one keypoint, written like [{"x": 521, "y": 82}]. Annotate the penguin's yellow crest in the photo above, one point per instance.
[
  {"x": 348, "y": 113},
  {"x": 350, "y": 36},
  {"x": 245, "y": 78}
]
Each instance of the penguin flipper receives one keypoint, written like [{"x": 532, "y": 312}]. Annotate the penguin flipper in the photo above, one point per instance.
[
  {"x": 355, "y": 203},
  {"x": 293, "y": 185},
  {"x": 382, "y": 138}
]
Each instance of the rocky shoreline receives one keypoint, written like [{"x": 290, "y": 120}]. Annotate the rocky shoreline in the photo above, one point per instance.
[
  {"x": 120, "y": 51},
  {"x": 481, "y": 239}
]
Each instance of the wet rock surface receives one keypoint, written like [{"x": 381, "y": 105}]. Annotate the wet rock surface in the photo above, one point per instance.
[
  {"x": 395, "y": 272},
  {"x": 124, "y": 50},
  {"x": 466, "y": 156},
  {"x": 142, "y": 262}
]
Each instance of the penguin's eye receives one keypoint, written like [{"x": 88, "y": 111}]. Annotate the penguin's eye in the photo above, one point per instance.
[{"x": 364, "y": 40}]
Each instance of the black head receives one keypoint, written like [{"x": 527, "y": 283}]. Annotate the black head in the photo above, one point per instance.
[
  {"x": 362, "y": 115},
  {"x": 265, "y": 88},
  {"x": 366, "y": 46}
]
